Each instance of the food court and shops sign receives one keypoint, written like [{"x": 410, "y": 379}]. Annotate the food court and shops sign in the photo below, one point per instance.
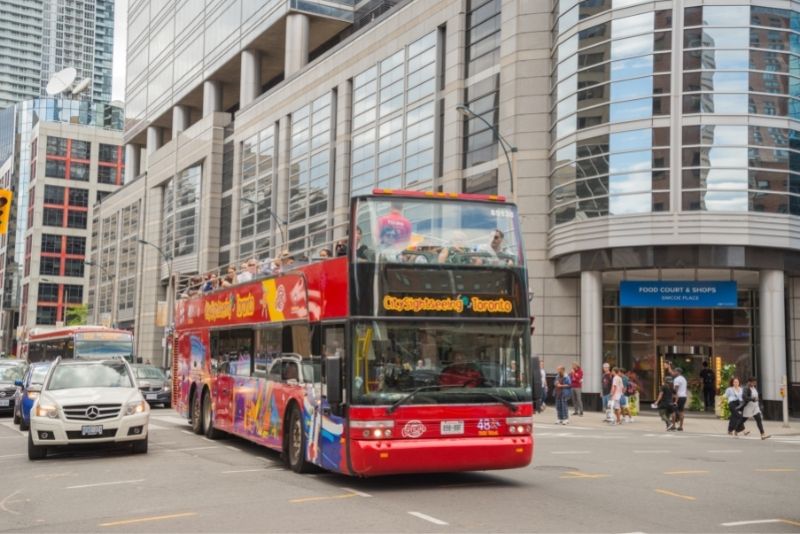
[{"x": 675, "y": 294}]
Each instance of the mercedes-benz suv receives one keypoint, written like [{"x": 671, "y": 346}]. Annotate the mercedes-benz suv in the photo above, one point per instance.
[{"x": 88, "y": 401}]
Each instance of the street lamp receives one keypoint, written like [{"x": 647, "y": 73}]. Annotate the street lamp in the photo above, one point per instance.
[
  {"x": 507, "y": 147},
  {"x": 170, "y": 296},
  {"x": 281, "y": 224},
  {"x": 111, "y": 277}
]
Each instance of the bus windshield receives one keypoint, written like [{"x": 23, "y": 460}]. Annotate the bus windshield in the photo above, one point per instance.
[
  {"x": 453, "y": 362},
  {"x": 418, "y": 230},
  {"x": 106, "y": 348}
]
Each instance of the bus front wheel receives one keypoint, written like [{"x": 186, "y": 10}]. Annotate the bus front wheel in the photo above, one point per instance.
[
  {"x": 208, "y": 418},
  {"x": 297, "y": 443},
  {"x": 197, "y": 415}
]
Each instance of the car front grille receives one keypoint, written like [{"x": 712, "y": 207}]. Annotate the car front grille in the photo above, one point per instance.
[
  {"x": 76, "y": 434},
  {"x": 154, "y": 389},
  {"x": 80, "y": 412},
  {"x": 8, "y": 392}
]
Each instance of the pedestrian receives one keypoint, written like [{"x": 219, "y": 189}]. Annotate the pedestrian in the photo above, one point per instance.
[
  {"x": 750, "y": 408},
  {"x": 627, "y": 393},
  {"x": 562, "y": 393},
  {"x": 664, "y": 403},
  {"x": 230, "y": 278},
  {"x": 543, "y": 373},
  {"x": 606, "y": 389},
  {"x": 576, "y": 377},
  {"x": 615, "y": 397},
  {"x": 708, "y": 378},
  {"x": 681, "y": 391},
  {"x": 733, "y": 394}
]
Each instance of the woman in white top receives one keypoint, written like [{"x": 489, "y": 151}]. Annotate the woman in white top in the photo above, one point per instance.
[
  {"x": 734, "y": 396},
  {"x": 750, "y": 398}
]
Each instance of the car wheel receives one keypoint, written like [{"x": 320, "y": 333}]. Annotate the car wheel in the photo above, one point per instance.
[
  {"x": 208, "y": 418},
  {"x": 296, "y": 438},
  {"x": 197, "y": 414},
  {"x": 35, "y": 452},
  {"x": 140, "y": 447},
  {"x": 24, "y": 425}
]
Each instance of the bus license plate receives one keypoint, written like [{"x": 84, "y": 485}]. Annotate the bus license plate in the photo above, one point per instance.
[
  {"x": 4, "y": 402},
  {"x": 151, "y": 396},
  {"x": 452, "y": 427},
  {"x": 91, "y": 430}
]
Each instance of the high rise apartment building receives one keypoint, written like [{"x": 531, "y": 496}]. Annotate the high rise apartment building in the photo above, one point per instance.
[
  {"x": 656, "y": 157},
  {"x": 40, "y": 37}
]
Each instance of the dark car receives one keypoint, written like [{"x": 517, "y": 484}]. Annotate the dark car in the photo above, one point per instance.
[
  {"x": 30, "y": 387},
  {"x": 10, "y": 372},
  {"x": 154, "y": 384}
]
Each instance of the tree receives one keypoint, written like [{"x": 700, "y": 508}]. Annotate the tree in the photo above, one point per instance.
[{"x": 76, "y": 315}]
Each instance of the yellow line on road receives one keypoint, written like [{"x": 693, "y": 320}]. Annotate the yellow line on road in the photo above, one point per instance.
[
  {"x": 686, "y": 472},
  {"x": 775, "y": 470},
  {"x": 678, "y": 495},
  {"x": 310, "y": 499},
  {"x": 146, "y": 519},
  {"x": 790, "y": 522},
  {"x": 578, "y": 474}
]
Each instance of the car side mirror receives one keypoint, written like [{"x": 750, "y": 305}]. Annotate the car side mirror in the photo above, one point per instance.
[
  {"x": 18, "y": 383},
  {"x": 536, "y": 383}
]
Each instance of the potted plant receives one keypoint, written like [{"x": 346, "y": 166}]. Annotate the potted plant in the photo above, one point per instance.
[
  {"x": 695, "y": 400},
  {"x": 721, "y": 408}
]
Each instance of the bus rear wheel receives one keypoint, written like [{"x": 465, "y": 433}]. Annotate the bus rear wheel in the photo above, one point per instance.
[
  {"x": 197, "y": 414},
  {"x": 296, "y": 446},
  {"x": 208, "y": 418}
]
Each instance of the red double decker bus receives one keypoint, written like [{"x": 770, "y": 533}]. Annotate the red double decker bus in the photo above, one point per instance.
[{"x": 410, "y": 353}]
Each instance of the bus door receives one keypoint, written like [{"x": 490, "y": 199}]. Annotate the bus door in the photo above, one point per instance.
[{"x": 232, "y": 369}]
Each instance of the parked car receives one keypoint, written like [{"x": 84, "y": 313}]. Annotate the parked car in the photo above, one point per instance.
[
  {"x": 29, "y": 388},
  {"x": 88, "y": 401},
  {"x": 10, "y": 372},
  {"x": 154, "y": 384}
]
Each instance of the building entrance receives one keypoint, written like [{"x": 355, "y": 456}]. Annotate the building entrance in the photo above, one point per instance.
[{"x": 689, "y": 358}]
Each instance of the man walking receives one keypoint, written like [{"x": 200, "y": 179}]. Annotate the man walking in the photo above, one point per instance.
[
  {"x": 617, "y": 391},
  {"x": 562, "y": 394},
  {"x": 707, "y": 376},
  {"x": 681, "y": 391},
  {"x": 606, "y": 389},
  {"x": 576, "y": 377}
]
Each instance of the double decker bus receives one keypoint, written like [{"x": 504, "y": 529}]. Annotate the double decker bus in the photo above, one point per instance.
[
  {"x": 46, "y": 344},
  {"x": 410, "y": 353}
]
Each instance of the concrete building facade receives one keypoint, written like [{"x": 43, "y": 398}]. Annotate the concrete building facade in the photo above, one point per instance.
[{"x": 655, "y": 150}]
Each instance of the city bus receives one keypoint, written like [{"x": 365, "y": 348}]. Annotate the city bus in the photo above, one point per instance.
[
  {"x": 408, "y": 353},
  {"x": 46, "y": 344}
]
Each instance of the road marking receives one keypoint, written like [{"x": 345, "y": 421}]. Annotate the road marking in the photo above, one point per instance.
[
  {"x": 188, "y": 432},
  {"x": 678, "y": 495},
  {"x": 8, "y": 500},
  {"x": 775, "y": 470},
  {"x": 10, "y": 455},
  {"x": 786, "y": 450},
  {"x": 115, "y": 483},
  {"x": 170, "y": 419},
  {"x": 145, "y": 519},
  {"x": 209, "y": 440},
  {"x": 231, "y": 447},
  {"x": 192, "y": 449},
  {"x": 698, "y": 472},
  {"x": 760, "y": 522},
  {"x": 428, "y": 518},
  {"x": 359, "y": 493},
  {"x": 569, "y": 452},
  {"x": 724, "y": 451},
  {"x": 326, "y": 498},
  {"x": 244, "y": 471},
  {"x": 652, "y": 451},
  {"x": 578, "y": 474}
]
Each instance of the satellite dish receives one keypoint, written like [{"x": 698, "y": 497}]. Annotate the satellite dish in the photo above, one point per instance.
[
  {"x": 81, "y": 86},
  {"x": 61, "y": 81}
]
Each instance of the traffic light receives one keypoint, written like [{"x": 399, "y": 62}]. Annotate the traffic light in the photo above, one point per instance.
[{"x": 5, "y": 209}]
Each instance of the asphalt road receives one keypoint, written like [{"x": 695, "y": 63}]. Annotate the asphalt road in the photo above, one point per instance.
[{"x": 586, "y": 477}]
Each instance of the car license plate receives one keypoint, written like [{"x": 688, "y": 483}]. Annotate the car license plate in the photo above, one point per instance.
[
  {"x": 4, "y": 402},
  {"x": 91, "y": 430},
  {"x": 151, "y": 396},
  {"x": 452, "y": 427}
]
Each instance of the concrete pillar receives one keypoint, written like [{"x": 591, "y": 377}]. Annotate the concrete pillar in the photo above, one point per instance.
[
  {"x": 180, "y": 119},
  {"x": 155, "y": 138},
  {"x": 772, "y": 359},
  {"x": 212, "y": 97},
  {"x": 132, "y": 161},
  {"x": 250, "y": 77},
  {"x": 297, "y": 28},
  {"x": 282, "y": 190},
  {"x": 592, "y": 331}
]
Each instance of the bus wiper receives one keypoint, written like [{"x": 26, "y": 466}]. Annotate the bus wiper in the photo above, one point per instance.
[
  {"x": 505, "y": 402},
  {"x": 414, "y": 391}
]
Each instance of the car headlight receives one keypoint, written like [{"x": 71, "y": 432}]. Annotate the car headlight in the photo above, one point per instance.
[
  {"x": 139, "y": 406},
  {"x": 47, "y": 410},
  {"x": 166, "y": 387},
  {"x": 33, "y": 395}
]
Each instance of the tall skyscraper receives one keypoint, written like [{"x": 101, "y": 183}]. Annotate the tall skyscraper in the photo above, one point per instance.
[{"x": 40, "y": 37}]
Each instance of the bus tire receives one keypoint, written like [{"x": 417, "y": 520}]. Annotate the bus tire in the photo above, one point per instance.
[
  {"x": 296, "y": 443},
  {"x": 35, "y": 452},
  {"x": 208, "y": 418},
  {"x": 197, "y": 413}
]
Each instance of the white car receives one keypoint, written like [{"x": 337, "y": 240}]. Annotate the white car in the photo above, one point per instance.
[{"x": 88, "y": 401}]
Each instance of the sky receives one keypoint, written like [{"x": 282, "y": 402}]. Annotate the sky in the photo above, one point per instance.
[{"x": 120, "y": 43}]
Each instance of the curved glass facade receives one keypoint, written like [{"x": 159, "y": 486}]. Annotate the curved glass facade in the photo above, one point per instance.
[{"x": 738, "y": 72}]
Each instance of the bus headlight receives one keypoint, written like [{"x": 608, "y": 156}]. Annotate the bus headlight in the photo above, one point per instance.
[
  {"x": 374, "y": 429},
  {"x": 136, "y": 407}
]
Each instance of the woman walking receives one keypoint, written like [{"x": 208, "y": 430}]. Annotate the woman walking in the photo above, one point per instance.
[
  {"x": 664, "y": 403},
  {"x": 562, "y": 394},
  {"x": 576, "y": 377},
  {"x": 734, "y": 394},
  {"x": 750, "y": 398}
]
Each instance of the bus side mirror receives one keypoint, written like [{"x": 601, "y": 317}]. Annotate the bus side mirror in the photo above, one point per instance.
[
  {"x": 536, "y": 383},
  {"x": 333, "y": 380}
]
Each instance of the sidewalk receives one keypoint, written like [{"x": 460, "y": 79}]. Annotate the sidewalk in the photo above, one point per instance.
[{"x": 694, "y": 422}]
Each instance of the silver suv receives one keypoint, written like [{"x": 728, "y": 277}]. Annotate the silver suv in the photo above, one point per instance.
[{"x": 88, "y": 401}]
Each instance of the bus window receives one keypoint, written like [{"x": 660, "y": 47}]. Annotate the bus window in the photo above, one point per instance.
[
  {"x": 297, "y": 339},
  {"x": 290, "y": 371},
  {"x": 275, "y": 371},
  {"x": 268, "y": 347},
  {"x": 232, "y": 351}
]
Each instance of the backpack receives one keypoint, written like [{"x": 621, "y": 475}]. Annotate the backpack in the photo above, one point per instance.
[{"x": 630, "y": 386}]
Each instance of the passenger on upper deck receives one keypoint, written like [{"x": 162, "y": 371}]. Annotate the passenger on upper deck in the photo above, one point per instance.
[
  {"x": 394, "y": 228},
  {"x": 230, "y": 278},
  {"x": 249, "y": 271}
]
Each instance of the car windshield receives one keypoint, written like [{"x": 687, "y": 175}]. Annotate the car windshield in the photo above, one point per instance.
[
  {"x": 38, "y": 374},
  {"x": 456, "y": 362},
  {"x": 90, "y": 375},
  {"x": 150, "y": 372},
  {"x": 403, "y": 230},
  {"x": 10, "y": 373}
]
